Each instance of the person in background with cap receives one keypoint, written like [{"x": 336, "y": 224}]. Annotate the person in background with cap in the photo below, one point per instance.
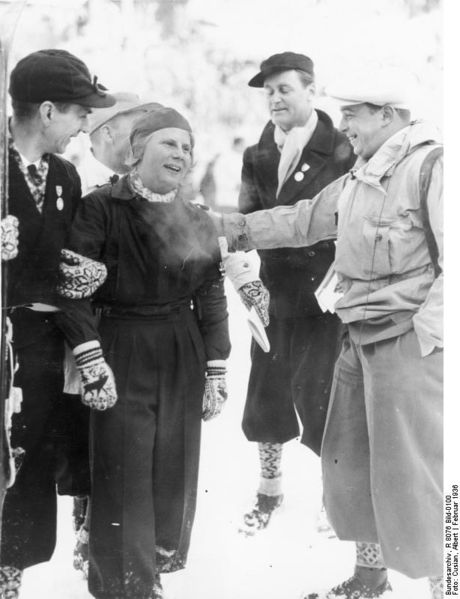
[
  {"x": 164, "y": 327},
  {"x": 52, "y": 94},
  {"x": 298, "y": 153},
  {"x": 109, "y": 131},
  {"x": 382, "y": 451}
]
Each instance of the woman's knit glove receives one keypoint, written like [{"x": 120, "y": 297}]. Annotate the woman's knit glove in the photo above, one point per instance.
[
  {"x": 79, "y": 276},
  {"x": 98, "y": 383},
  {"x": 9, "y": 231},
  {"x": 256, "y": 294},
  {"x": 215, "y": 389}
]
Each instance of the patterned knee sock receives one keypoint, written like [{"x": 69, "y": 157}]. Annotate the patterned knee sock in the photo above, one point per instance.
[
  {"x": 369, "y": 555},
  {"x": 10, "y": 582},
  {"x": 270, "y": 466},
  {"x": 437, "y": 587},
  {"x": 370, "y": 567}
]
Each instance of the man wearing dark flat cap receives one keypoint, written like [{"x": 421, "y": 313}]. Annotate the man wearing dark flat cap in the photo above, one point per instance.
[
  {"x": 52, "y": 95},
  {"x": 382, "y": 448},
  {"x": 298, "y": 153}
]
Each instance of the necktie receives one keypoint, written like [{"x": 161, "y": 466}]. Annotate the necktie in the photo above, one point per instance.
[
  {"x": 35, "y": 175},
  {"x": 36, "y": 185}
]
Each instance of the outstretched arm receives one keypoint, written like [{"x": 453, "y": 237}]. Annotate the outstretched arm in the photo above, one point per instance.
[{"x": 303, "y": 224}]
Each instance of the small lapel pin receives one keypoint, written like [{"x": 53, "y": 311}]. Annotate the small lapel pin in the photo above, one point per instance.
[
  {"x": 305, "y": 167},
  {"x": 59, "y": 201},
  {"x": 298, "y": 176}
]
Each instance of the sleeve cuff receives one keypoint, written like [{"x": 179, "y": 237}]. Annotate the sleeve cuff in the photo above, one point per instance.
[
  {"x": 216, "y": 363},
  {"x": 235, "y": 229},
  {"x": 85, "y": 346}
]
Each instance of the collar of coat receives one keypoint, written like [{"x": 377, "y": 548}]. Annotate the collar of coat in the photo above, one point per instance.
[
  {"x": 395, "y": 149},
  {"x": 322, "y": 140}
]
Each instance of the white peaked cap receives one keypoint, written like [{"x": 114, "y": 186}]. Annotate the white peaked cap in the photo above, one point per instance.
[
  {"x": 377, "y": 85},
  {"x": 125, "y": 103}
]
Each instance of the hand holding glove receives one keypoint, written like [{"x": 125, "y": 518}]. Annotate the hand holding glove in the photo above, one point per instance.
[
  {"x": 98, "y": 383},
  {"x": 79, "y": 276},
  {"x": 9, "y": 232},
  {"x": 215, "y": 389},
  {"x": 255, "y": 294}
]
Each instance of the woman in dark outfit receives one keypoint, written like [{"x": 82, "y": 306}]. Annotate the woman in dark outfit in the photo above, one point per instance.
[{"x": 164, "y": 332}]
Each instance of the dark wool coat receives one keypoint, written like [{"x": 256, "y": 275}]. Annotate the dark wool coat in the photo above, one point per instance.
[
  {"x": 298, "y": 369},
  {"x": 156, "y": 254},
  {"x": 44, "y": 427},
  {"x": 159, "y": 256},
  {"x": 32, "y": 275},
  {"x": 292, "y": 275}
]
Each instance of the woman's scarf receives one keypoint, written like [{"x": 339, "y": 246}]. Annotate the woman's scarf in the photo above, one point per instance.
[{"x": 138, "y": 187}]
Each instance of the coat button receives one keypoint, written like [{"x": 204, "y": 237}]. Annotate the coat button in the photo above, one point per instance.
[{"x": 312, "y": 253}]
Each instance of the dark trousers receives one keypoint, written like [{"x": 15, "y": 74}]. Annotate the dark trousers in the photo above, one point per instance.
[
  {"x": 29, "y": 511},
  {"x": 295, "y": 375},
  {"x": 72, "y": 468},
  {"x": 145, "y": 453}
]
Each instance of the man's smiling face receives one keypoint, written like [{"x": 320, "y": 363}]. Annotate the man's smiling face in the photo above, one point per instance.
[{"x": 364, "y": 126}]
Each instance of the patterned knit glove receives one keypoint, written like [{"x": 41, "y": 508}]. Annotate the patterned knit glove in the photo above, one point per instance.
[
  {"x": 79, "y": 276},
  {"x": 215, "y": 390},
  {"x": 9, "y": 231},
  {"x": 98, "y": 383},
  {"x": 256, "y": 294}
]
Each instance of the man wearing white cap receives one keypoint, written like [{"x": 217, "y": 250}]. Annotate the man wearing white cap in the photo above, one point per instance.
[
  {"x": 382, "y": 450},
  {"x": 110, "y": 128}
]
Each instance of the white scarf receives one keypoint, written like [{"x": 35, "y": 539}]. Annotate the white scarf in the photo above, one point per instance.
[{"x": 291, "y": 145}]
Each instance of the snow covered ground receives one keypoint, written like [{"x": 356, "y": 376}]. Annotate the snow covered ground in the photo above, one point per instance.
[{"x": 279, "y": 563}]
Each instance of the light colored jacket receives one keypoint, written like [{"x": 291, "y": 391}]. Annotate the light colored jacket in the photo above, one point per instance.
[{"x": 382, "y": 259}]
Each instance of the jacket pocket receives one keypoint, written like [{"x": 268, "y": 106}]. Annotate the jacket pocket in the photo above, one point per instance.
[
  {"x": 408, "y": 248},
  {"x": 376, "y": 237}
]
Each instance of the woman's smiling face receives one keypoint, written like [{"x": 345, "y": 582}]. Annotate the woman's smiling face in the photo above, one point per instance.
[{"x": 167, "y": 159}]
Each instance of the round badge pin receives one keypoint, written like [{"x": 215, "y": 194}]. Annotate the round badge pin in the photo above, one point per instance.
[
  {"x": 305, "y": 167},
  {"x": 298, "y": 176},
  {"x": 60, "y": 204}
]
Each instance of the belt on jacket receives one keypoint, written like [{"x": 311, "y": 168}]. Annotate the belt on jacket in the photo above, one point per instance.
[{"x": 144, "y": 311}]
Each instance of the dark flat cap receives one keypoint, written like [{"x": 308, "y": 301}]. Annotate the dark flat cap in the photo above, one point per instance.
[
  {"x": 277, "y": 63},
  {"x": 57, "y": 76}
]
